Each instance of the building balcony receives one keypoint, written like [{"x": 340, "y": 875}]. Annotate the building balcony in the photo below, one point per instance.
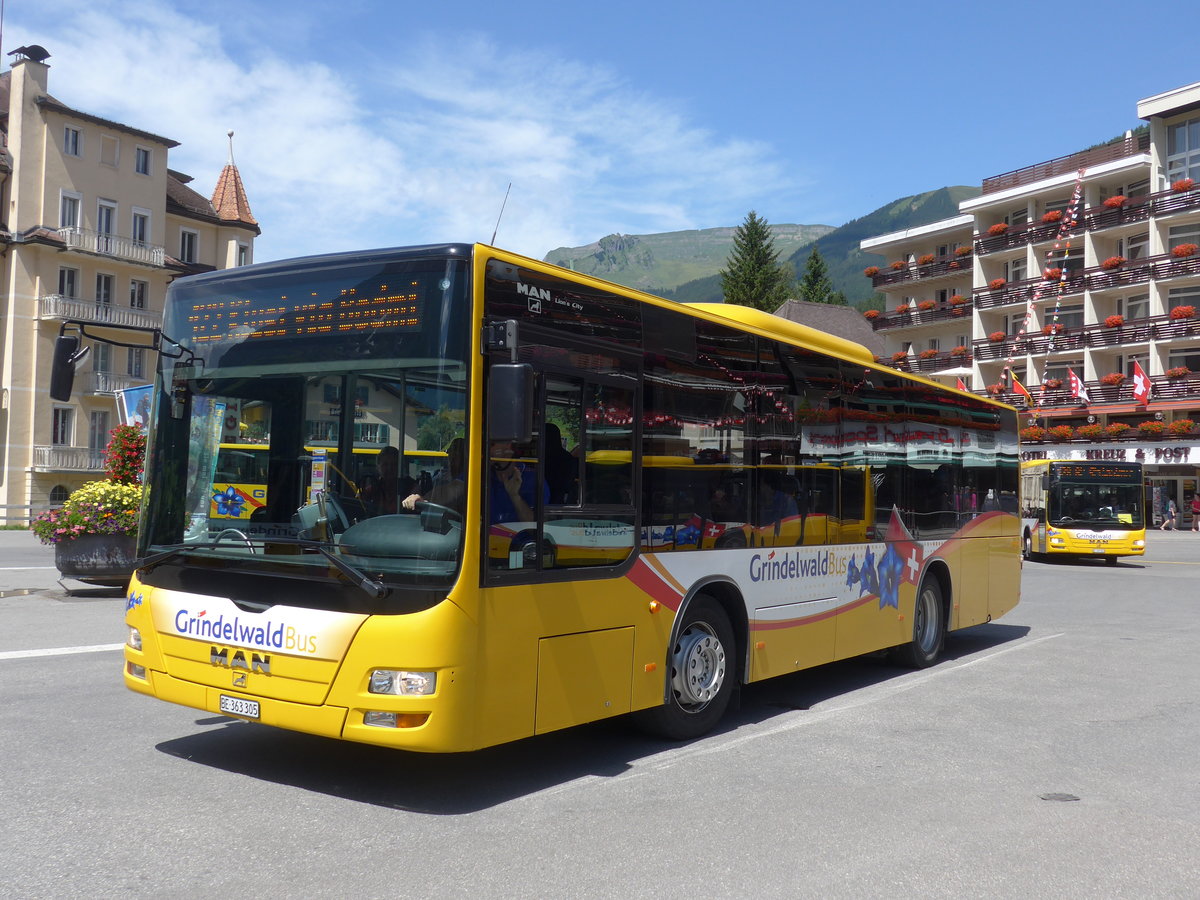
[
  {"x": 939, "y": 362},
  {"x": 1068, "y": 165},
  {"x": 1095, "y": 337},
  {"x": 921, "y": 317},
  {"x": 1164, "y": 392},
  {"x": 939, "y": 268},
  {"x": 108, "y": 383},
  {"x": 67, "y": 459},
  {"x": 111, "y": 245},
  {"x": 57, "y": 307}
]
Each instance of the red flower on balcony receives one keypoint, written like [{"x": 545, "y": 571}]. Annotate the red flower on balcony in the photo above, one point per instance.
[
  {"x": 871, "y": 271},
  {"x": 1052, "y": 274},
  {"x": 1114, "y": 321},
  {"x": 953, "y": 265},
  {"x": 1180, "y": 427},
  {"x": 898, "y": 265},
  {"x": 997, "y": 336},
  {"x": 1089, "y": 432},
  {"x": 926, "y": 305},
  {"x": 957, "y": 300},
  {"x": 960, "y": 350},
  {"x": 1053, "y": 328},
  {"x": 998, "y": 229},
  {"x": 1113, "y": 378},
  {"x": 927, "y": 354},
  {"x": 1183, "y": 184},
  {"x": 899, "y": 357},
  {"x": 996, "y": 283},
  {"x": 1032, "y": 433},
  {"x": 995, "y": 389},
  {"x": 925, "y": 259},
  {"x": 1179, "y": 372},
  {"x": 1052, "y": 216},
  {"x": 1115, "y": 429},
  {"x": 1183, "y": 312},
  {"x": 871, "y": 314},
  {"x": 1113, "y": 262},
  {"x": 1115, "y": 202},
  {"x": 903, "y": 308},
  {"x": 1183, "y": 251},
  {"x": 1151, "y": 429},
  {"x": 1052, "y": 384},
  {"x": 1060, "y": 433},
  {"x": 963, "y": 251}
]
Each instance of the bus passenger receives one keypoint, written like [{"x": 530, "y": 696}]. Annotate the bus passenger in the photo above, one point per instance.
[{"x": 381, "y": 491}]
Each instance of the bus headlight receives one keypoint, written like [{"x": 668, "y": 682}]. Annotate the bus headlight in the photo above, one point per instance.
[
  {"x": 1139, "y": 543},
  {"x": 392, "y": 681},
  {"x": 134, "y": 639}
]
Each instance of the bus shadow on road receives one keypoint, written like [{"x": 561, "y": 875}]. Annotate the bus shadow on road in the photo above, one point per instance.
[{"x": 458, "y": 784}]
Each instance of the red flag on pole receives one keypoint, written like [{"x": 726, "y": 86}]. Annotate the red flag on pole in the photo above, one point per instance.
[
  {"x": 1078, "y": 391},
  {"x": 1141, "y": 384},
  {"x": 961, "y": 386},
  {"x": 1019, "y": 388}
]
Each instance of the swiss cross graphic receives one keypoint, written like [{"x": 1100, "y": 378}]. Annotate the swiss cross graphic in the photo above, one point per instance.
[
  {"x": 714, "y": 530},
  {"x": 1141, "y": 384},
  {"x": 906, "y": 548}
]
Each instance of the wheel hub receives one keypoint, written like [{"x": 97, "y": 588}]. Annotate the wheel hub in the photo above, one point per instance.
[{"x": 699, "y": 667}]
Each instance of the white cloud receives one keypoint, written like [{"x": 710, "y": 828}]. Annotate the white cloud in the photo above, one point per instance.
[{"x": 410, "y": 149}]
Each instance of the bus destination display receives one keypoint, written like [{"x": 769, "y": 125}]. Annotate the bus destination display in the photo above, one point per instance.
[
  {"x": 1094, "y": 472},
  {"x": 354, "y": 310}
]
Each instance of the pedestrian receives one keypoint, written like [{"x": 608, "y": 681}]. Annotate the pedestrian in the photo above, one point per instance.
[
  {"x": 1195, "y": 512},
  {"x": 1172, "y": 512}
]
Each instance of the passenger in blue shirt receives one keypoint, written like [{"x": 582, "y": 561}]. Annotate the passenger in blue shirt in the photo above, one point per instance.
[{"x": 513, "y": 488}]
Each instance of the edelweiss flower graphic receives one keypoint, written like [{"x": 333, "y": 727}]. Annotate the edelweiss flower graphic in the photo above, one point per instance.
[
  {"x": 229, "y": 502},
  {"x": 891, "y": 569}
]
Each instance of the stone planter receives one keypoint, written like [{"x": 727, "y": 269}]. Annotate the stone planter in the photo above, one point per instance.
[{"x": 100, "y": 559}]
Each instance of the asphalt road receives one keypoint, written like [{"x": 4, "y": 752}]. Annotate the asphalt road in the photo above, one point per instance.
[{"x": 852, "y": 780}]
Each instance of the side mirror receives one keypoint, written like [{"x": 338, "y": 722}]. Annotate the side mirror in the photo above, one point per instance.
[
  {"x": 510, "y": 402},
  {"x": 1045, "y": 482},
  {"x": 67, "y": 356}
]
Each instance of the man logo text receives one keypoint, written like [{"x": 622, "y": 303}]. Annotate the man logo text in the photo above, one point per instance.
[{"x": 257, "y": 663}]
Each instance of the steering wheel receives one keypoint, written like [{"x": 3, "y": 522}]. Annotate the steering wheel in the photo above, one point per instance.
[
  {"x": 233, "y": 532},
  {"x": 435, "y": 517}
]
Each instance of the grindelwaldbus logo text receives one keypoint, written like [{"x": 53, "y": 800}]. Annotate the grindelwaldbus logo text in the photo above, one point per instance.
[
  {"x": 268, "y": 635},
  {"x": 780, "y": 567}
]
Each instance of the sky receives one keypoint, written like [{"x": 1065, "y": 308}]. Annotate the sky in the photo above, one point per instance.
[{"x": 367, "y": 123}]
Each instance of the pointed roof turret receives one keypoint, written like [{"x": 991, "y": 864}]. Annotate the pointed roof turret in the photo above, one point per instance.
[{"x": 229, "y": 197}]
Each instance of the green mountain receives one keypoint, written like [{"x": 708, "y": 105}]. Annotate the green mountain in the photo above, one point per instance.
[
  {"x": 660, "y": 263},
  {"x": 839, "y": 248}
]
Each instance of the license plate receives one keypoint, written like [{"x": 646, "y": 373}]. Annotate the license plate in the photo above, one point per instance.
[
  {"x": 1098, "y": 550},
  {"x": 236, "y": 706}
]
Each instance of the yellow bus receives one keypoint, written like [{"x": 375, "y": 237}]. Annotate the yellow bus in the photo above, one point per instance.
[
  {"x": 1082, "y": 509},
  {"x": 643, "y": 506}
]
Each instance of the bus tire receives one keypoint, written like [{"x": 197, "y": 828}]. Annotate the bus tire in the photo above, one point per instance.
[
  {"x": 1027, "y": 546},
  {"x": 701, "y": 669},
  {"x": 1110, "y": 560},
  {"x": 929, "y": 628}
]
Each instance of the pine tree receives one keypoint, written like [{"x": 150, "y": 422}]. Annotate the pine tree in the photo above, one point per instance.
[
  {"x": 815, "y": 285},
  {"x": 753, "y": 275}
]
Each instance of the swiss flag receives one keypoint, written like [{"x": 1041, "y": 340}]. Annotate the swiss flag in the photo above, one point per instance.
[
  {"x": 910, "y": 551},
  {"x": 1141, "y": 384}
]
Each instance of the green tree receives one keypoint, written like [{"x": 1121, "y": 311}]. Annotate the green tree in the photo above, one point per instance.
[
  {"x": 753, "y": 275},
  {"x": 816, "y": 285}
]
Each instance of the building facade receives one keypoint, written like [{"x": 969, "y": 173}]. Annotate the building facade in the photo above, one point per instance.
[
  {"x": 95, "y": 226},
  {"x": 1086, "y": 265}
]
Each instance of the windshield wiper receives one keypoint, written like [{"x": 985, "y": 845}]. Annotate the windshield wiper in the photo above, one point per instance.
[{"x": 360, "y": 579}]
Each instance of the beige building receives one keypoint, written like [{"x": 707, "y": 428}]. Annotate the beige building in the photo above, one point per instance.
[
  {"x": 95, "y": 226},
  {"x": 1088, "y": 265}
]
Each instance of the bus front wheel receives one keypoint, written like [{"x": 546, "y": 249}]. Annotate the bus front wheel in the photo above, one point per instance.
[
  {"x": 702, "y": 670},
  {"x": 929, "y": 629}
]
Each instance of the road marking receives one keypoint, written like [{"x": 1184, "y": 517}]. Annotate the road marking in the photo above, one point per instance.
[
  {"x": 58, "y": 651},
  {"x": 32, "y": 568}
]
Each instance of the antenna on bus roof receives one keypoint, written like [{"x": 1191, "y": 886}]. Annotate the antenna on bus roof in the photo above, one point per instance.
[{"x": 502, "y": 205}]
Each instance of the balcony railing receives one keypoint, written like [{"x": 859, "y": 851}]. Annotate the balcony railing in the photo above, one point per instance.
[
  {"x": 110, "y": 383},
  {"x": 88, "y": 241},
  {"x": 1095, "y": 278},
  {"x": 56, "y": 306},
  {"x": 1068, "y": 164},
  {"x": 921, "y": 316},
  {"x": 67, "y": 459},
  {"x": 939, "y": 268},
  {"x": 1162, "y": 388},
  {"x": 1096, "y": 336}
]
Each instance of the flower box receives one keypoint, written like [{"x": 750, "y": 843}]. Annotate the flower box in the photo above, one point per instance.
[
  {"x": 899, "y": 357},
  {"x": 1113, "y": 262},
  {"x": 1052, "y": 328},
  {"x": 960, "y": 350},
  {"x": 924, "y": 259},
  {"x": 1179, "y": 372},
  {"x": 903, "y": 308},
  {"x": 1052, "y": 384},
  {"x": 1032, "y": 433},
  {"x": 1183, "y": 312},
  {"x": 926, "y": 305},
  {"x": 1116, "y": 429},
  {"x": 1090, "y": 432},
  {"x": 898, "y": 265},
  {"x": 997, "y": 283},
  {"x": 1183, "y": 184},
  {"x": 957, "y": 300},
  {"x": 1116, "y": 201},
  {"x": 105, "y": 560},
  {"x": 995, "y": 389},
  {"x": 997, "y": 336},
  {"x": 1052, "y": 274},
  {"x": 1151, "y": 429},
  {"x": 871, "y": 314},
  {"x": 963, "y": 251},
  {"x": 1060, "y": 433},
  {"x": 1180, "y": 427},
  {"x": 1183, "y": 251},
  {"x": 1114, "y": 321},
  {"x": 871, "y": 271},
  {"x": 928, "y": 354},
  {"x": 1052, "y": 216},
  {"x": 998, "y": 229},
  {"x": 1113, "y": 378}
]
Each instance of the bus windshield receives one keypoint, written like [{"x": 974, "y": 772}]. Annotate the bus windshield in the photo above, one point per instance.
[
  {"x": 1108, "y": 505},
  {"x": 304, "y": 405}
]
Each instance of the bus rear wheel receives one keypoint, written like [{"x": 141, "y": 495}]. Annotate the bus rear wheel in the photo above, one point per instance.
[
  {"x": 929, "y": 629},
  {"x": 702, "y": 672}
]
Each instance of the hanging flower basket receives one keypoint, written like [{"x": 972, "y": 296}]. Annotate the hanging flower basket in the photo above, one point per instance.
[
  {"x": 1151, "y": 429},
  {"x": 926, "y": 305},
  {"x": 960, "y": 350},
  {"x": 997, "y": 283},
  {"x": 871, "y": 271},
  {"x": 898, "y": 265},
  {"x": 1052, "y": 384},
  {"x": 1089, "y": 432},
  {"x": 1060, "y": 433},
  {"x": 1179, "y": 372},
  {"x": 928, "y": 354},
  {"x": 1115, "y": 202},
  {"x": 1180, "y": 427},
  {"x": 1183, "y": 312},
  {"x": 1183, "y": 251},
  {"x": 924, "y": 259},
  {"x": 1052, "y": 216},
  {"x": 1113, "y": 262},
  {"x": 963, "y": 251},
  {"x": 998, "y": 229},
  {"x": 1116, "y": 429},
  {"x": 871, "y": 314},
  {"x": 1113, "y": 378},
  {"x": 1183, "y": 184},
  {"x": 1052, "y": 328},
  {"x": 1033, "y": 433},
  {"x": 1052, "y": 274},
  {"x": 1114, "y": 321},
  {"x": 997, "y": 336},
  {"x": 957, "y": 300}
]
